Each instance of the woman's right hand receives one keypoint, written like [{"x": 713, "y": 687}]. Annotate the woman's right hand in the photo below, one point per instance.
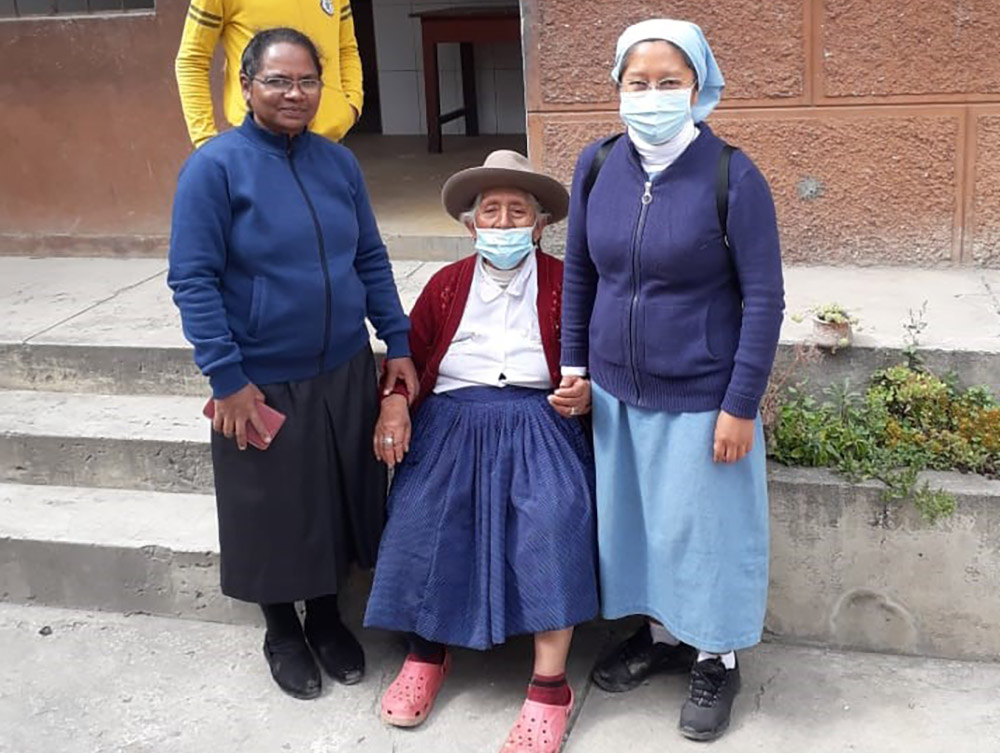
[
  {"x": 233, "y": 412},
  {"x": 392, "y": 432}
]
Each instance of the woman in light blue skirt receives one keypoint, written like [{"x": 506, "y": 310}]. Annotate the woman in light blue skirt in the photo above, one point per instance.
[{"x": 672, "y": 305}]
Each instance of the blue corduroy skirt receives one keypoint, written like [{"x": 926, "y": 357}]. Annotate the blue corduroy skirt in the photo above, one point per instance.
[
  {"x": 682, "y": 539},
  {"x": 491, "y": 529}
]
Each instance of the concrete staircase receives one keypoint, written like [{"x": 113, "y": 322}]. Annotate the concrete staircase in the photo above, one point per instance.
[
  {"x": 105, "y": 473},
  {"x": 105, "y": 476}
]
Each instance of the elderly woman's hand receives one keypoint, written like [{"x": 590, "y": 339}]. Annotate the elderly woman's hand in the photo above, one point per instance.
[
  {"x": 233, "y": 412},
  {"x": 392, "y": 432},
  {"x": 401, "y": 368},
  {"x": 733, "y": 438},
  {"x": 572, "y": 398}
]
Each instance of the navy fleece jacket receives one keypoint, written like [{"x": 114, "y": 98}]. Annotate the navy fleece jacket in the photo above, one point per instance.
[
  {"x": 662, "y": 313},
  {"x": 276, "y": 260}
]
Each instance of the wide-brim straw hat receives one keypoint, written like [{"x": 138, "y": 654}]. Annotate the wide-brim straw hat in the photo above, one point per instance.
[{"x": 504, "y": 169}]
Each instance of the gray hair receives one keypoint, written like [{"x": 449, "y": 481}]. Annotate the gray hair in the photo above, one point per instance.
[{"x": 468, "y": 217}]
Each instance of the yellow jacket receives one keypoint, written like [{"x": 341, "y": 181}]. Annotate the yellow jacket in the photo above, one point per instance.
[{"x": 328, "y": 23}]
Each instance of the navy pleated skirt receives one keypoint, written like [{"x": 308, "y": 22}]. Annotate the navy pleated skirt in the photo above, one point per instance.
[{"x": 491, "y": 527}]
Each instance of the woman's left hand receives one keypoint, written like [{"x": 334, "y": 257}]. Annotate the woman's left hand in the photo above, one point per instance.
[
  {"x": 572, "y": 397},
  {"x": 392, "y": 432},
  {"x": 733, "y": 438},
  {"x": 401, "y": 368}
]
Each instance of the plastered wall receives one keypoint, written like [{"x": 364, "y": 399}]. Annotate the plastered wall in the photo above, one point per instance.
[{"x": 877, "y": 123}]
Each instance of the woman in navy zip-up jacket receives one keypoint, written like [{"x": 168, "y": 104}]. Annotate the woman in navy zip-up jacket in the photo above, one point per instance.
[
  {"x": 675, "y": 319},
  {"x": 275, "y": 263}
]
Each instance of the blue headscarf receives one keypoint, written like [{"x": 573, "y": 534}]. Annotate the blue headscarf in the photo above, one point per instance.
[{"x": 690, "y": 38}]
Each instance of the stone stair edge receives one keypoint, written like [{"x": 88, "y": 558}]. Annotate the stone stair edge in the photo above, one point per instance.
[
  {"x": 122, "y": 369},
  {"x": 875, "y": 568}
]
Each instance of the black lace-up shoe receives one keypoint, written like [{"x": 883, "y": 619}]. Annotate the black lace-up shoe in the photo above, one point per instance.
[
  {"x": 638, "y": 658},
  {"x": 293, "y": 667},
  {"x": 706, "y": 713}
]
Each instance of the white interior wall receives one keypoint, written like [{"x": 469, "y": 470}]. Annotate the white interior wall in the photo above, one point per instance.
[{"x": 499, "y": 76}]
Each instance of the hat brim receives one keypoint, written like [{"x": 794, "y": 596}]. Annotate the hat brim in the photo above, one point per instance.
[{"x": 462, "y": 188}]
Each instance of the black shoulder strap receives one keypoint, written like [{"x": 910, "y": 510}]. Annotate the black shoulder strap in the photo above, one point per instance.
[
  {"x": 722, "y": 190},
  {"x": 595, "y": 166}
]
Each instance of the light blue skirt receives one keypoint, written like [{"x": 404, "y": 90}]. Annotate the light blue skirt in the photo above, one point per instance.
[{"x": 681, "y": 539}]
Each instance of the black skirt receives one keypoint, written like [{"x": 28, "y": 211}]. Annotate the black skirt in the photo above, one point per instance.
[{"x": 293, "y": 518}]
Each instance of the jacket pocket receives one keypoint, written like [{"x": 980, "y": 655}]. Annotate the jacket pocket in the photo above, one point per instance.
[
  {"x": 609, "y": 336},
  {"x": 257, "y": 305},
  {"x": 675, "y": 340}
]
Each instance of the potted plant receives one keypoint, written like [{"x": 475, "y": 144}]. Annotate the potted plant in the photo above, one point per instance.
[{"x": 832, "y": 326}]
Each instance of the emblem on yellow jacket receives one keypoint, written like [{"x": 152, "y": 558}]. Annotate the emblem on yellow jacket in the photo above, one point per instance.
[{"x": 327, "y": 6}]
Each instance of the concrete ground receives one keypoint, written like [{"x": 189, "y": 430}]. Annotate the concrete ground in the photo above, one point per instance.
[
  {"x": 125, "y": 302},
  {"x": 78, "y": 682}
]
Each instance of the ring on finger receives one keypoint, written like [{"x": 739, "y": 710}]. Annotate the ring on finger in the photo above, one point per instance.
[{"x": 388, "y": 440}]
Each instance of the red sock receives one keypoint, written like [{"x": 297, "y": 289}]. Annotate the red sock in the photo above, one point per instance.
[{"x": 552, "y": 690}]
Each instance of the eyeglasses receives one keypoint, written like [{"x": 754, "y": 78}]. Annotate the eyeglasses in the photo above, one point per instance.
[
  {"x": 284, "y": 84},
  {"x": 667, "y": 84}
]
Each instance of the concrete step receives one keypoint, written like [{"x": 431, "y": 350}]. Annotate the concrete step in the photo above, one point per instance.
[
  {"x": 109, "y": 325},
  {"x": 154, "y": 443},
  {"x": 106, "y": 325},
  {"x": 116, "y": 550},
  {"x": 847, "y": 570},
  {"x": 403, "y": 245}
]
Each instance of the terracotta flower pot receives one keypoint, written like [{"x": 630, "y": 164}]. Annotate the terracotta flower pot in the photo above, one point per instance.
[{"x": 831, "y": 335}]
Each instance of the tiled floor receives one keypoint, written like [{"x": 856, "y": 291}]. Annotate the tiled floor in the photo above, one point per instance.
[{"x": 405, "y": 181}]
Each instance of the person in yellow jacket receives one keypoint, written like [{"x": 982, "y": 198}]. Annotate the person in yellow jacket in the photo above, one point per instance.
[{"x": 328, "y": 22}]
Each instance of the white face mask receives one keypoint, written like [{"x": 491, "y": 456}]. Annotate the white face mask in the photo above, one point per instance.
[
  {"x": 656, "y": 115},
  {"x": 505, "y": 248}
]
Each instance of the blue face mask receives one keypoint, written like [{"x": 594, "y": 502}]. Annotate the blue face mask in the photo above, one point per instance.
[
  {"x": 656, "y": 115},
  {"x": 505, "y": 248}
]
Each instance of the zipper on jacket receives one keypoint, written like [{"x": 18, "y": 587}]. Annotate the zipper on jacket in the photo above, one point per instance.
[
  {"x": 322, "y": 255},
  {"x": 633, "y": 327}
]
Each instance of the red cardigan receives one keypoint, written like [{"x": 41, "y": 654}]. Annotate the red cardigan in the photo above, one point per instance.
[{"x": 438, "y": 311}]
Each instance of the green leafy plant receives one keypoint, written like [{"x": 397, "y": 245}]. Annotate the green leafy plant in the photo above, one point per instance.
[
  {"x": 833, "y": 313},
  {"x": 830, "y": 313},
  {"x": 905, "y": 422}
]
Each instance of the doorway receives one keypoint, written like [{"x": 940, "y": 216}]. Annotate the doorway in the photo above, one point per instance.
[
  {"x": 364, "y": 32},
  {"x": 404, "y": 179}
]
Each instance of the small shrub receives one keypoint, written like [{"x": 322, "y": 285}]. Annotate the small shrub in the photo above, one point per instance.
[{"x": 907, "y": 421}]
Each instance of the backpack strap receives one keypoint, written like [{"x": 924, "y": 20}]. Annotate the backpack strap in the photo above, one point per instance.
[
  {"x": 721, "y": 183},
  {"x": 722, "y": 190},
  {"x": 598, "y": 162}
]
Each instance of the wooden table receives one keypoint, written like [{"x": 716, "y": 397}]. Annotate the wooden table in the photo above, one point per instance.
[{"x": 466, "y": 26}]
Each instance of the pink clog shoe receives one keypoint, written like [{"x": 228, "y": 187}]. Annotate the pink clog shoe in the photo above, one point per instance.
[
  {"x": 540, "y": 728},
  {"x": 408, "y": 701}
]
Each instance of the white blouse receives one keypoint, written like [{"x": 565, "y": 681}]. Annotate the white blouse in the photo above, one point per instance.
[{"x": 498, "y": 341}]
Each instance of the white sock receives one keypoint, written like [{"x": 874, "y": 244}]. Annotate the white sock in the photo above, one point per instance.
[
  {"x": 728, "y": 660},
  {"x": 662, "y": 635}
]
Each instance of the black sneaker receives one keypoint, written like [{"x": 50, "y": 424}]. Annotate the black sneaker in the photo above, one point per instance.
[
  {"x": 338, "y": 652},
  {"x": 293, "y": 667},
  {"x": 706, "y": 713},
  {"x": 638, "y": 658}
]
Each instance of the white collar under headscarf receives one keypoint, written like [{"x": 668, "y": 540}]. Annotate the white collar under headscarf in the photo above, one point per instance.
[
  {"x": 690, "y": 38},
  {"x": 656, "y": 158}
]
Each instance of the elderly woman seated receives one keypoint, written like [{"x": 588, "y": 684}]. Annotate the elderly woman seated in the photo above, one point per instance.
[{"x": 490, "y": 528}]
